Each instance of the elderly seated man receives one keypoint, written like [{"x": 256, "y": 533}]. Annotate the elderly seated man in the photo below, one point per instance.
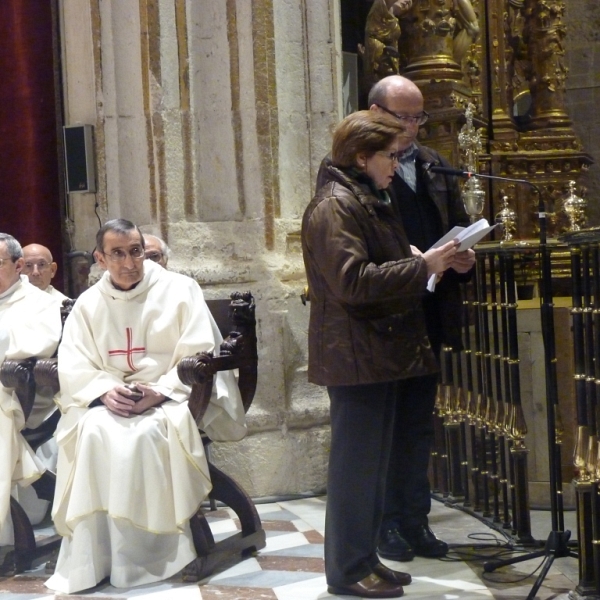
[
  {"x": 30, "y": 325},
  {"x": 40, "y": 268},
  {"x": 156, "y": 249},
  {"x": 131, "y": 467}
]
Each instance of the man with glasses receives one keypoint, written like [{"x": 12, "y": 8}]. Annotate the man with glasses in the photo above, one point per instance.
[
  {"x": 131, "y": 466},
  {"x": 30, "y": 326},
  {"x": 41, "y": 269},
  {"x": 429, "y": 206},
  {"x": 156, "y": 250}
]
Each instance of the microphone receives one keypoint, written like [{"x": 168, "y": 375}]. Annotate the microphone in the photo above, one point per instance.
[
  {"x": 448, "y": 171},
  {"x": 433, "y": 168}
]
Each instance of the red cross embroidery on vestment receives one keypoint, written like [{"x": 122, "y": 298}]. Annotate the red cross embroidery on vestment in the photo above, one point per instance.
[{"x": 129, "y": 351}]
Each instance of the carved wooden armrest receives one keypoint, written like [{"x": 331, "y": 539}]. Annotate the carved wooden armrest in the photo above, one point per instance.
[
  {"x": 45, "y": 373},
  {"x": 198, "y": 371},
  {"x": 18, "y": 374}
]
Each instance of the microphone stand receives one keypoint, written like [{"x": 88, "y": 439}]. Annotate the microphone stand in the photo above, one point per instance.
[{"x": 557, "y": 542}]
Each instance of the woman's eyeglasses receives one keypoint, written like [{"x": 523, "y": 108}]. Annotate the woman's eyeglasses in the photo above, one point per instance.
[{"x": 393, "y": 156}]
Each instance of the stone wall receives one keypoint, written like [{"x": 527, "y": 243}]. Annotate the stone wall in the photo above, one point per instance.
[{"x": 211, "y": 119}]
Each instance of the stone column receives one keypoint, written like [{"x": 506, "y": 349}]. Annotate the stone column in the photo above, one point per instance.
[{"x": 211, "y": 121}]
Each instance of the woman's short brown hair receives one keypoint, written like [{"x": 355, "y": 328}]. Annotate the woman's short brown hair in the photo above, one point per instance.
[{"x": 365, "y": 131}]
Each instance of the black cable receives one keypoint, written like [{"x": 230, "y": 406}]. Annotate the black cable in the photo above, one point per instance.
[{"x": 96, "y": 205}]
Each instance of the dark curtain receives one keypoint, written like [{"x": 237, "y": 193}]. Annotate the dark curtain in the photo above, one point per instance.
[{"x": 30, "y": 189}]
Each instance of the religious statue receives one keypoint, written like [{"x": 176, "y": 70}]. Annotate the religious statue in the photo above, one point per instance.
[
  {"x": 382, "y": 30},
  {"x": 517, "y": 63},
  {"x": 545, "y": 32},
  {"x": 436, "y": 37},
  {"x": 467, "y": 28}
]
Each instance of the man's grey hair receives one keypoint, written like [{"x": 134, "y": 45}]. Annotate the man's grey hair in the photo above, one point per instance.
[
  {"x": 166, "y": 251},
  {"x": 12, "y": 246},
  {"x": 163, "y": 246},
  {"x": 119, "y": 226}
]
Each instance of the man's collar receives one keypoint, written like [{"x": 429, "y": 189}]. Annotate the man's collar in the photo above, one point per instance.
[
  {"x": 128, "y": 289},
  {"x": 12, "y": 289},
  {"x": 410, "y": 153}
]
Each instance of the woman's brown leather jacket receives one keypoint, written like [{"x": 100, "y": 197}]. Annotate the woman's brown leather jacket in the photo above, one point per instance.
[{"x": 366, "y": 321}]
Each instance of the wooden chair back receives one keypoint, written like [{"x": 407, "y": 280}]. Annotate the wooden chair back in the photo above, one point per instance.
[{"x": 237, "y": 322}]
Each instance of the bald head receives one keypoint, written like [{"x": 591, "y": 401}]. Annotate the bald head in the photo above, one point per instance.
[
  {"x": 392, "y": 87},
  {"x": 400, "y": 96},
  {"x": 39, "y": 265}
]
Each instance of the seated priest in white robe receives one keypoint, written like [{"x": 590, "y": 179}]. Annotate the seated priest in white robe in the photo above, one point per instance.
[
  {"x": 40, "y": 268},
  {"x": 30, "y": 325},
  {"x": 132, "y": 472}
]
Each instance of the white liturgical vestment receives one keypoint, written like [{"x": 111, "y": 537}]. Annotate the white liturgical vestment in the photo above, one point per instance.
[
  {"x": 30, "y": 325},
  {"x": 56, "y": 293},
  {"x": 127, "y": 487}
]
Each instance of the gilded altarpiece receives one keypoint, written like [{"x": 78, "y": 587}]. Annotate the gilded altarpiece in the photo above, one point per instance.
[{"x": 507, "y": 58}]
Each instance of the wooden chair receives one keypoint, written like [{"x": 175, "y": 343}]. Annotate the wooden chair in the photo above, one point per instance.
[
  {"x": 237, "y": 324},
  {"x": 22, "y": 376},
  {"x": 236, "y": 321}
]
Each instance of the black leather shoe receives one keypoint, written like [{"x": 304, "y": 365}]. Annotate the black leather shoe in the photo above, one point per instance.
[
  {"x": 393, "y": 546},
  {"x": 424, "y": 543},
  {"x": 369, "y": 587},
  {"x": 390, "y": 575}
]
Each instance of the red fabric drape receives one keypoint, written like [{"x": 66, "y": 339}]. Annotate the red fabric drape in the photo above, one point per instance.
[{"x": 29, "y": 181}]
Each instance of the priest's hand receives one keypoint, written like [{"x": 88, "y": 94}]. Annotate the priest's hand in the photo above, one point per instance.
[
  {"x": 118, "y": 400},
  {"x": 150, "y": 399}
]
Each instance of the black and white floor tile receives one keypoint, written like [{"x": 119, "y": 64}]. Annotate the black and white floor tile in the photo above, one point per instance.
[{"x": 291, "y": 565}]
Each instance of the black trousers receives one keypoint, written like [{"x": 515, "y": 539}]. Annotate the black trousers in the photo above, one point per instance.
[
  {"x": 362, "y": 418},
  {"x": 407, "y": 494}
]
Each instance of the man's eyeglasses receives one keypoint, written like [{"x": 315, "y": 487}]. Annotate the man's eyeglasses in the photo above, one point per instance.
[
  {"x": 154, "y": 256},
  {"x": 30, "y": 267},
  {"x": 118, "y": 255},
  {"x": 393, "y": 156},
  {"x": 4, "y": 261},
  {"x": 419, "y": 119}
]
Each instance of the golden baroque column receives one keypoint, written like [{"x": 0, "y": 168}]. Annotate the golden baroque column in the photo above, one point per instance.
[
  {"x": 437, "y": 36},
  {"x": 544, "y": 36},
  {"x": 427, "y": 42}
]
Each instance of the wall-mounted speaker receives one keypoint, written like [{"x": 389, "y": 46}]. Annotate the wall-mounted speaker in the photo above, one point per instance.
[{"x": 80, "y": 163}]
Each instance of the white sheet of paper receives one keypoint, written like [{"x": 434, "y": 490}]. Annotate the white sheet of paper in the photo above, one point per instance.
[{"x": 467, "y": 236}]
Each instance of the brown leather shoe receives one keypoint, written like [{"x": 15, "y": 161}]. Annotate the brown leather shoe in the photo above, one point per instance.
[
  {"x": 371, "y": 586},
  {"x": 390, "y": 575}
]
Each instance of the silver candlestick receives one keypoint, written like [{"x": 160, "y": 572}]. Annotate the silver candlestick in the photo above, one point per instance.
[
  {"x": 507, "y": 217},
  {"x": 574, "y": 206},
  {"x": 469, "y": 141}
]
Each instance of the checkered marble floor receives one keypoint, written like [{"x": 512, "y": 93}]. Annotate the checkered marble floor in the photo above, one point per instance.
[{"x": 291, "y": 565}]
